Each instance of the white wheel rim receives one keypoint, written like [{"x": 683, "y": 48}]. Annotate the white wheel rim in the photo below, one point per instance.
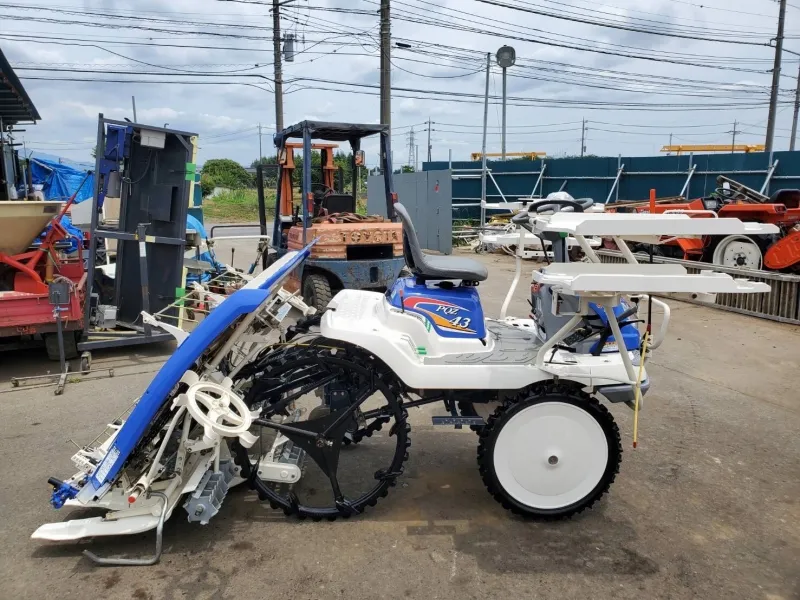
[
  {"x": 739, "y": 252},
  {"x": 550, "y": 455}
]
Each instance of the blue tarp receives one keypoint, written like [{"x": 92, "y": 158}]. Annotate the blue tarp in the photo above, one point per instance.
[
  {"x": 60, "y": 181},
  {"x": 75, "y": 233},
  {"x": 214, "y": 266}
]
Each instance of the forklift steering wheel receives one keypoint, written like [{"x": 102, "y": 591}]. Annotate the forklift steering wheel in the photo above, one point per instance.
[
  {"x": 326, "y": 191},
  {"x": 540, "y": 205}
]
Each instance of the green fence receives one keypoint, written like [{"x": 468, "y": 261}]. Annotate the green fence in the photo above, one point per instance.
[{"x": 617, "y": 178}]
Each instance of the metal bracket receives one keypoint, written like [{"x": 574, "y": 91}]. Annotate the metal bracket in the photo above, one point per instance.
[
  {"x": 616, "y": 182},
  {"x": 539, "y": 181},
  {"x": 457, "y": 421},
  {"x": 765, "y": 188},
  {"x": 138, "y": 562},
  {"x": 685, "y": 188}
]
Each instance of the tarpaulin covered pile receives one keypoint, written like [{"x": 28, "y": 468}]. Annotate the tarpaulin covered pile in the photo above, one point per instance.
[{"x": 59, "y": 181}]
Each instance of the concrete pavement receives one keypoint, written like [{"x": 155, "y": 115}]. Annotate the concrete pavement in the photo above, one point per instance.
[{"x": 707, "y": 507}]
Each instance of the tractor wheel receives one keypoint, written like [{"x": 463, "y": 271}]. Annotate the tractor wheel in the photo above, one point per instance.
[
  {"x": 738, "y": 251},
  {"x": 317, "y": 291},
  {"x": 549, "y": 456},
  {"x": 70, "y": 345}
]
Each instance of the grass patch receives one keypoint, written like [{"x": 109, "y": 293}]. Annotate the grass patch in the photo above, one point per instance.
[
  {"x": 241, "y": 206},
  {"x": 237, "y": 206}
]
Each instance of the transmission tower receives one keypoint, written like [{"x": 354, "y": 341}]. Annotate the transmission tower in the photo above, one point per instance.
[{"x": 411, "y": 146}]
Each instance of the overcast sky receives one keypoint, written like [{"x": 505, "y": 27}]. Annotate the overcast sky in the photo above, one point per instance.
[{"x": 628, "y": 103}]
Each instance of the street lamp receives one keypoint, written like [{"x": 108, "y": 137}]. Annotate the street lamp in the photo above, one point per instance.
[{"x": 506, "y": 57}]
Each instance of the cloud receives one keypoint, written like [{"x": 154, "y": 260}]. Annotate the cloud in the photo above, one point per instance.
[{"x": 213, "y": 106}]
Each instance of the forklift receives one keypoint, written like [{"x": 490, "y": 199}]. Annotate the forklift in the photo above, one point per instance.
[{"x": 352, "y": 251}]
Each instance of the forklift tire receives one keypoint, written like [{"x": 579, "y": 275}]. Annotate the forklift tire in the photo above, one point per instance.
[
  {"x": 317, "y": 291},
  {"x": 70, "y": 345}
]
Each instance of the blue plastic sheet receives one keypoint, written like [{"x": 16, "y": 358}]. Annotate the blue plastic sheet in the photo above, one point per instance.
[
  {"x": 213, "y": 266},
  {"x": 60, "y": 181},
  {"x": 76, "y": 235}
]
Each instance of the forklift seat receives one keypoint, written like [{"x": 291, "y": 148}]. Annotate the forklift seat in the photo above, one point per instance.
[
  {"x": 339, "y": 203},
  {"x": 430, "y": 267}
]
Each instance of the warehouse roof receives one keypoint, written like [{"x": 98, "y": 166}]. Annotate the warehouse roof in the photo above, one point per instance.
[{"x": 15, "y": 104}]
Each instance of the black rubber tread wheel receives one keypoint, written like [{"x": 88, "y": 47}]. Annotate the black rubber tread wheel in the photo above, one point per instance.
[
  {"x": 302, "y": 327},
  {"x": 70, "y": 345},
  {"x": 504, "y": 413},
  {"x": 317, "y": 291},
  {"x": 353, "y": 359}
]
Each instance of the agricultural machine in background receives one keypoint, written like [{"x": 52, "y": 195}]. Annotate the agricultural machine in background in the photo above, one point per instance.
[
  {"x": 775, "y": 252},
  {"x": 352, "y": 251},
  {"x": 42, "y": 276}
]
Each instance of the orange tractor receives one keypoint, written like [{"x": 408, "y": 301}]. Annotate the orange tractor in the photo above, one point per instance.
[{"x": 779, "y": 252}]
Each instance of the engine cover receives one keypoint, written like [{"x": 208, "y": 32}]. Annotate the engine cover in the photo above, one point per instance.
[{"x": 451, "y": 313}]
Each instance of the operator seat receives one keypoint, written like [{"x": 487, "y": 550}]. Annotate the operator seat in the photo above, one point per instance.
[{"x": 429, "y": 267}]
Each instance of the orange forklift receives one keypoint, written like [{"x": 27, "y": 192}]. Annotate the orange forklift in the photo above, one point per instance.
[{"x": 353, "y": 251}]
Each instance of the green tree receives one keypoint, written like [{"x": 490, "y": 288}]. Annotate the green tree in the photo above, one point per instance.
[
  {"x": 207, "y": 184},
  {"x": 265, "y": 160},
  {"x": 341, "y": 160},
  {"x": 227, "y": 173}
]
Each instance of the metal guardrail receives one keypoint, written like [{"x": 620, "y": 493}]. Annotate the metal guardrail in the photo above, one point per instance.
[{"x": 781, "y": 304}]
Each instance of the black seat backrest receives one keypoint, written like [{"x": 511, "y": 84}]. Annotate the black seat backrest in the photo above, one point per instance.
[
  {"x": 339, "y": 203},
  {"x": 412, "y": 251},
  {"x": 427, "y": 267}
]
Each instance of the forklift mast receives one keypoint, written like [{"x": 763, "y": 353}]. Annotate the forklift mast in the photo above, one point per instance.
[
  {"x": 288, "y": 165},
  {"x": 336, "y": 132}
]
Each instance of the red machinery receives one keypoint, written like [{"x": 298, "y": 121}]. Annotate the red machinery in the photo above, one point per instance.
[
  {"x": 685, "y": 248},
  {"x": 25, "y": 307},
  {"x": 777, "y": 253}
]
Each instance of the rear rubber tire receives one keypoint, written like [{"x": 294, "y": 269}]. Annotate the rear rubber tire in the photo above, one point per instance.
[
  {"x": 70, "y": 345},
  {"x": 317, "y": 291},
  {"x": 496, "y": 463}
]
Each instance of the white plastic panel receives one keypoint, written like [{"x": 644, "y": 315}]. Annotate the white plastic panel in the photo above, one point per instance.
[
  {"x": 364, "y": 319},
  {"x": 638, "y": 225},
  {"x": 586, "y": 279},
  {"x": 530, "y": 240}
]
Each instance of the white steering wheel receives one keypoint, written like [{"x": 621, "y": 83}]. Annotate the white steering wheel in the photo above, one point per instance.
[{"x": 218, "y": 409}]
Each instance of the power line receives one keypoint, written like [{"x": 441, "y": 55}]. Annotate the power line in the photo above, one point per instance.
[
  {"x": 434, "y": 94},
  {"x": 729, "y": 26},
  {"x": 561, "y": 42},
  {"x": 612, "y": 25}
]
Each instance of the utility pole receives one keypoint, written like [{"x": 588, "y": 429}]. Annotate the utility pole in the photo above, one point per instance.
[
  {"x": 506, "y": 57},
  {"x": 796, "y": 109},
  {"x": 260, "y": 153},
  {"x": 503, "y": 145},
  {"x": 276, "y": 47},
  {"x": 483, "y": 145},
  {"x": 133, "y": 102},
  {"x": 583, "y": 136},
  {"x": 429, "y": 139},
  {"x": 776, "y": 78},
  {"x": 386, "y": 66},
  {"x": 733, "y": 141},
  {"x": 416, "y": 157}
]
